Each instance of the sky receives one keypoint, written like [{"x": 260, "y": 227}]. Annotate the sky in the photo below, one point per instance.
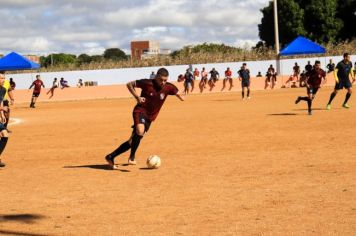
[{"x": 42, "y": 27}]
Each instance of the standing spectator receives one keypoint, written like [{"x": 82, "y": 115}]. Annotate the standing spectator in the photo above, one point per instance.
[
  {"x": 228, "y": 77},
  {"x": 259, "y": 74},
  {"x": 308, "y": 67},
  {"x": 214, "y": 76},
  {"x": 3, "y": 121},
  {"x": 342, "y": 74},
  {"x": 12, "y": 84},
  {"x": 188, "y": 81},
  {"x": 55, "y": 84},
  {"x": 204, "y": 79},
  {"x": 63, "y": 83},
  {"x": 271, "y": 77},
  {"x": 80, "y": 83},
  {"x": 244, "y": 77},
  {"x": 37, "y": 84},
  {"x": 330, "y": 66}
]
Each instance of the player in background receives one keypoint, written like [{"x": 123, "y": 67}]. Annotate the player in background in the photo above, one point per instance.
[
  {"x": 313, "y": 82},
  {"x": 37, "y": 84},
  {"x": 342, "y": 74},
  {"x": 203, "y": 80},
  {"x": 4, "y": 135},
  {"x": 244, "y": 77},
  {"x": 153, "y": 95},
  {"x": 228, "y": 74},
  {"x": 55, "y": 84},
  {"x": 214, "y": 76}
]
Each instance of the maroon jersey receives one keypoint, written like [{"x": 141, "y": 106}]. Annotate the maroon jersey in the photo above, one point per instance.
[
  {"x": 37, "y": 86},
  {"x": 154, "y": 95},
  {"x": 315, "y": 76}
]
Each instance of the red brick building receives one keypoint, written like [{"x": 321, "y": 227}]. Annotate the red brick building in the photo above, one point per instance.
[{"x": 140, "y": 49}]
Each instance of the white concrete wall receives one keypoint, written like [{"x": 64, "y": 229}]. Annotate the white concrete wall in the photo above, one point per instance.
[{"x": 121, "y": 76}]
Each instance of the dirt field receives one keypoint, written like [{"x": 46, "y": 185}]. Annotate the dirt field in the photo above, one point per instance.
[{"x": 229, "y": 167}]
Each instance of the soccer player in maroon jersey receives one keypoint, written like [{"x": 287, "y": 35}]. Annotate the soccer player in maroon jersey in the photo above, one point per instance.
[
  {"x": 153, "y": 94},
  {"x": 36, "y": 90},
  {"x": 313, "y": 81},
  {"x": 228, "y": 74}
]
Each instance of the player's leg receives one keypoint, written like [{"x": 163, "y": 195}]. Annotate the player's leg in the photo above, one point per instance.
[
  {"x": 224, "y": 84},
  {"x": 135, "y": 142},
  {"x": 231, "y": 83},
  {"x": 347, "y": 97},
  {"x": 4, "y": 136},
  {"x": 248, "y": 91},
  {"x": 332, "y": 95},
  {"x": 243, "y": 91},
  {"x": 192, "y": 85}
]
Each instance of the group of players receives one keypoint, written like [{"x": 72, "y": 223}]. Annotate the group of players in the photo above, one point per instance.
[
  {"x": 190, "y": 77},
  {"x": 155, "y": 90}
]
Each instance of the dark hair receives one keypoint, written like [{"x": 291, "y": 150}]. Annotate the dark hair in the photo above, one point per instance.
[
  {"x": 244, "y": 64},
  {"x": 317, "y": 62},
  {"x": 346, "y": 54},
  {"x": 37, "y": 76},
  {"x": 162, "y": 72}
]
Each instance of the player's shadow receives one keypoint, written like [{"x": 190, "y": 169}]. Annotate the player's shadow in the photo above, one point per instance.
[
  {"x": 283, "y": 114},
  {"x": 98, "y": 167},
  {"x": 11, "y": 232},
  {"x": 305, "y": 109},
  {"x": 223, "y": 100},
  {"x": 146, "y": 168},
  {"x": 24, "y": 218}
]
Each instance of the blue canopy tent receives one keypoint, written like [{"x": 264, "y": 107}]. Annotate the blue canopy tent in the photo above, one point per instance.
[
  {"x": 301, "y": 45},
  {"x": 14, "y": 61}
]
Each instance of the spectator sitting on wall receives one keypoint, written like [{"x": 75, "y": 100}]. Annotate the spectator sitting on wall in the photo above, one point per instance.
[
  {"x": 152, "y": 75},
  {"x": 330, "y": 66},
  {"x": 259, "y": 74}
]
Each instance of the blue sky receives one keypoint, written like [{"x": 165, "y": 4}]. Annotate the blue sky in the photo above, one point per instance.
[{"x": 90, "y": 26}]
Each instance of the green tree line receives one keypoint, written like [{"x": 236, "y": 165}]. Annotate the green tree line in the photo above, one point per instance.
[{"x": 323, "y": 21}]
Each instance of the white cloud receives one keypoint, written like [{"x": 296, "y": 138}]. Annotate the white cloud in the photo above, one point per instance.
[{"x": 90, "y": 26}]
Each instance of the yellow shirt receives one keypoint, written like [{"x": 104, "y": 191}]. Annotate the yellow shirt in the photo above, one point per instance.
[{"x": 6, "y": 85}]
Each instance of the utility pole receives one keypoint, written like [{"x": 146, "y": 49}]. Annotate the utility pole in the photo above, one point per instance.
[{"x": 276, "y": 36}]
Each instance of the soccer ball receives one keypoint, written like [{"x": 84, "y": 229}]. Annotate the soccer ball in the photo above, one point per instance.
[{"x": 153, "y": 162}]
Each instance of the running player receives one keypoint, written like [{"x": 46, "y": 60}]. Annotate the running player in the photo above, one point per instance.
[
  {"x": 214, "y": 76},
  {"x": 204, "y": 79},
  {"x": 244, "y": 77},
  {"x": 313, "y": 81},
  {"x": 196, "y": 74},
  {"x": 188, "y": 81},
  {"x": 36, "y": 90},
  {"x": 154, "y": 93},
  {"x": 228, "y": 77},
  {"x": 55, "y": 84},
  {"x": 342, "y": 73},
  {"x": 271, "y": 77},
  {"x": 4, "y": 135}
]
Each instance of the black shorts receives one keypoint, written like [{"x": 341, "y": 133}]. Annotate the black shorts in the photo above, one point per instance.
[
  {"x": 35, "y": 95},
  {"x": 140, "y": 118},
  {"x": 2, "y": 127},
  {"x": 343, "y": 84},
  {"x": 245, "y": 83},
  {"x": 5, "y": 103},
  {"x": 312, "y": 90}
]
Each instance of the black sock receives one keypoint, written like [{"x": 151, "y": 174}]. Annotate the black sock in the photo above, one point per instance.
[
  {"x": 121, "y": 149},
  {"x": 248, "y": 92},
  {"x": 309, "y": 105},
  {"x": 348, "y": 95},
  {"x": 3, "y": 143},
  {"x": 332, "y": 95},
  {"x": 304, "y": 98},
  {"x": 136, "y": 139},
  {"x": 243, "y": 94}
]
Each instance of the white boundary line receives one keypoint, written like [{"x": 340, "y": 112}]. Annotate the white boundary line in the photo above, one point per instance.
[{"x": 15, "y": 121}]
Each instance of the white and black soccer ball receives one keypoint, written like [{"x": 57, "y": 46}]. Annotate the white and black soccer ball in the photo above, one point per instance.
[{"x": 153, "y": 162}]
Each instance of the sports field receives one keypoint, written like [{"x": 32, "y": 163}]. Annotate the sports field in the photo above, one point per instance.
[{"x": 229, "y": 167}]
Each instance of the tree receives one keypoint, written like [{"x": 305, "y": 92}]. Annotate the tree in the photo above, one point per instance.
[
  {"x": 346, "y": 11},
  {"x": 321, "y": 22},
  {"x": 115, "y": 54},
  {"x": 290, "y": 20},
  {"x": 83, "y": 59}
]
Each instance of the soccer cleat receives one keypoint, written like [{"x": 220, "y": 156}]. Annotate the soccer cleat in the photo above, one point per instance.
[
  {"x": 131, "y": 162},
  {"x": 297, "y": 101},
  {"x": 345, "y": 105},
  {"x": 310, "y": 113},
  {"x": 2, "y": 164},
  {"x": 328, "y": 107},
  {"x": 110, "y": 162},
  {"x": 248, "y": 97}
]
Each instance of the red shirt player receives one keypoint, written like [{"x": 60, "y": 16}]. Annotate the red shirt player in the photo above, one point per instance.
[
  {"x": 314, "y": 78},
  {"x": 37, "y": 84},
  {"x": 228, "y": 77},
  {"x": 153, "y": 95}
]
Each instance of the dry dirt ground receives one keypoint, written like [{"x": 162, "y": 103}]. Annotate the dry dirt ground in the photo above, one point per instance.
[{"x": 229, "y": 167}]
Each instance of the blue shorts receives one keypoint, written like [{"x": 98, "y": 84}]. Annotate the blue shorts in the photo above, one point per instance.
[
  {"x": 343, "y": 84},
  {"x": 2, "y": 127},
  {"x": 245, "y": 83}
]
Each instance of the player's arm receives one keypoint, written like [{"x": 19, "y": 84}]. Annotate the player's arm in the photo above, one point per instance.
[
  {"x": 352, "y": 75},
  {"x": 335, "y": 75},
  {"x": 11, "y": 95},
  {"x": 31, "y": 86},
  {"x": 131, "y": 87}
]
